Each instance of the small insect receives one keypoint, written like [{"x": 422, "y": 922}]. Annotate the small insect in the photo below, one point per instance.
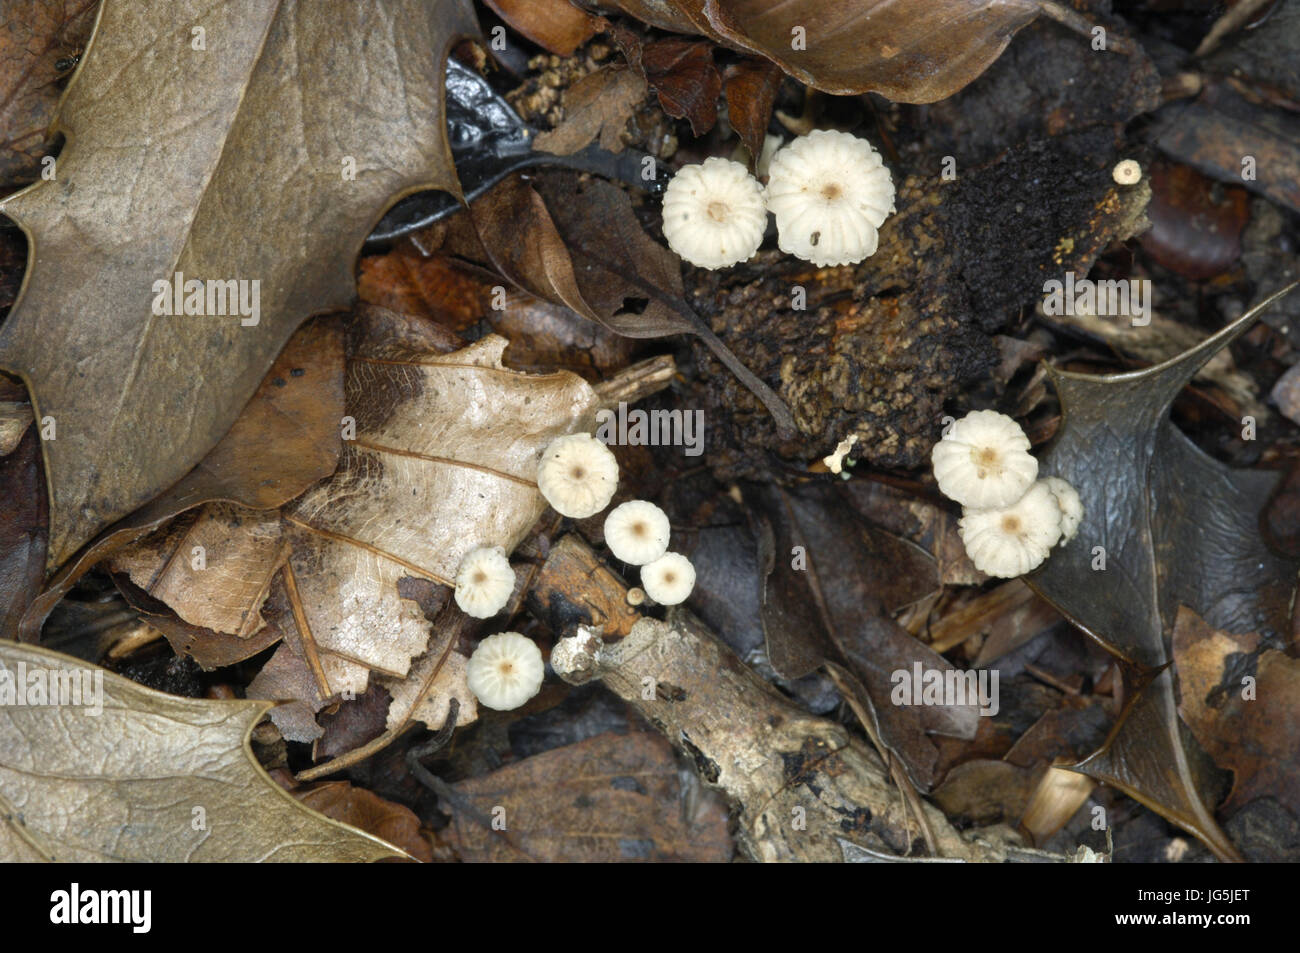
[{"x": 66, "y": 64}]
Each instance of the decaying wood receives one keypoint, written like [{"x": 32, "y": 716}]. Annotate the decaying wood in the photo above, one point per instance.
[{"x": 800, "y": 784}]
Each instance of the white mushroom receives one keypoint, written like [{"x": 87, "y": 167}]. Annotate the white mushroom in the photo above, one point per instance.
[
  {"x": 1014, "y": 539},
  {"x": 1127, "y": 172},
  {"x": 637, "y": 532},
  {"x": 830, "y": 193},
  {"x": 714, "y": 214},
  {"x": 669, "y": 579},
  {"x": 505, "y": 671},
  {"x": 484, "y": 582},
  {"x": 578, "y": 475},
  {"x": 1067, "y": 498},
  {"x": 984, "y": 461}
]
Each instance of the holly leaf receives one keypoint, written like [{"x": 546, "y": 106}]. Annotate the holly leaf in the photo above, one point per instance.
[
  {"x": 120, "y": 772},
  {"x": 170, "y": 169},
  {"x": 1172, "y": 527}
]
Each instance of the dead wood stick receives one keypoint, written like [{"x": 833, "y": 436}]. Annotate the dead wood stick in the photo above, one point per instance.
[{"x": 799, "y": 784}]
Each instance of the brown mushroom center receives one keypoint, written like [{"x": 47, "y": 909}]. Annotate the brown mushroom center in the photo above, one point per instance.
[
  {"x": 506, "y": 667},
  {"x": 480, "y": 577},
  {"x": 578, "y": 472},
  {"x": 670, "y": 577},
  {"x": 640, "y": 529},
  {"x": 1011, "y": 523},
  {"x": 831, "y": 191},
  {"x": 718, "y": 211}
]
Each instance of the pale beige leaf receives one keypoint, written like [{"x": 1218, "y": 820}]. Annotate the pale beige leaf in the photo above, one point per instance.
[
  {"x": 214, "y": 570},
  {"x": 127, "y": 784},
  {"x": 444, "y": 461}
]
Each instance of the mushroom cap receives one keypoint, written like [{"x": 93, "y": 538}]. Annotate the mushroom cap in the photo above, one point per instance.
[
  {"x": 637, "y": 532},
  {"x": 714, "y": 214},
  {"x": 1067, "y": 497},
  {"x": 669, "y": 579},
  {"x": 984, "y": 461},
  {"x": 505, "y": 671},
  {"x": 830, "y": 193},
  {"x": 1012, "y": 540},
  {"x": 1127, "y": 172},
  {"x": 578, "y": 475},
  {"x": 484, "y": 582}
]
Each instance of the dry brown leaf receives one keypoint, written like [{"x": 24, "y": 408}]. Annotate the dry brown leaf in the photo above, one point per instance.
[
  {"x": 367, "y": 811},
  {"x": 598, "y": 105},
  {"x": 916, "y": 51},
  {"x": 556, "y": 25},
  {"x": 244, "y": 549},
  {"x": 297, "y": 410},
  {"x": 38, "y": 40},
  {"x": 140, "y": 398},
  {"x": 152, "y": 777},
  {"x": 610, "y": 798},
  {"x": 444, "y": 460},
  {"x": 1257, "y": 737}
]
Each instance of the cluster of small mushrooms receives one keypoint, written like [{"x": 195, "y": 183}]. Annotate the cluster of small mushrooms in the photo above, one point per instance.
[
  {"x": 1010, "y": 519},
  {"x": 829, "y": 191},
  {"x": 577, "y": 476}
]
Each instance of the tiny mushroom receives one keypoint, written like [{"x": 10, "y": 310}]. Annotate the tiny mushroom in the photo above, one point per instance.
[
  {"x": 637, "y": 532},
  {"x": 578, "y": 475},
  {"x": 669, "y": 579},
  {"x": 484, "y": 582},
  {"x": 1012, "y": 540},
  {"x": 1067, "y": 498},
  {"x": 714, "y": 214},
  {"x": 505, "y": 671},
  {"x": 984, "y": 461},
  {"x": 1127, "y": 172},
  {"x": 830, "y": 193}
]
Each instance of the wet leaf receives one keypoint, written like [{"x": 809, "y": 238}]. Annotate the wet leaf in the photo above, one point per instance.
[
  {"x": 152, "y": 394},
  {"x": 917, "y": 51},
  {"x": 1176, "y": 528},
  {"x": 132, "y": 782},
  {"x": 611, "y": 798}
]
